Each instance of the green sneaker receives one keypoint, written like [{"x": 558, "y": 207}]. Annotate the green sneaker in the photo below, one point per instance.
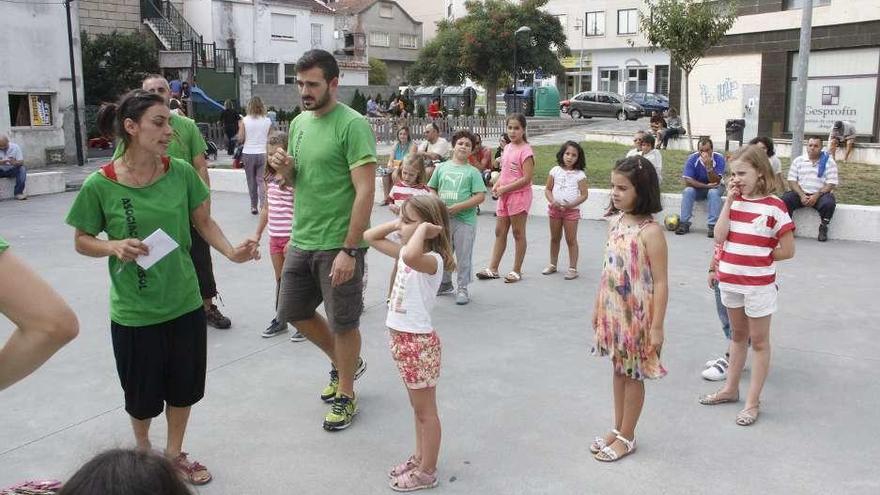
[
  {"x": 329, "y": 392},
  {"x": 341, "y": 413}
]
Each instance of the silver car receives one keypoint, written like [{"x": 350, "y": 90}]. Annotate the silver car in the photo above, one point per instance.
[{"x": 603, "y": 104}]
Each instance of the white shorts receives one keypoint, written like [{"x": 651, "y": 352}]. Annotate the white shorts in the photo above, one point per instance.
[{"x": 761, "y": 302}]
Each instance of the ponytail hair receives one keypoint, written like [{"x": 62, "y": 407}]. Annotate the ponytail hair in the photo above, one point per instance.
[{"x": 112, "y": 116}]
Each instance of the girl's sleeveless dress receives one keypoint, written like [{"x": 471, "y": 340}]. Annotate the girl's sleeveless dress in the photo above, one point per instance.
[{"x": 625, "y": 304}]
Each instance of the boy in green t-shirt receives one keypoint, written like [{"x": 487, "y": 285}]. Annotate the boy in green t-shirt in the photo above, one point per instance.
[{"x": 461, "y": 187}]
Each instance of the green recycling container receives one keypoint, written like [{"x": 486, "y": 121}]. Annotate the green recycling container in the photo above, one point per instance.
[{"x": 546, "y": 101}]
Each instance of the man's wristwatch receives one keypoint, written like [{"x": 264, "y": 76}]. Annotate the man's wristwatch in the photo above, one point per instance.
[{"x": 350, "y": 251}]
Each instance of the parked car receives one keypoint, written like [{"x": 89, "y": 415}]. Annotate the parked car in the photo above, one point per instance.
[
  {"x": 603, "y": 104},
  {"x": 650, "y": 101}
]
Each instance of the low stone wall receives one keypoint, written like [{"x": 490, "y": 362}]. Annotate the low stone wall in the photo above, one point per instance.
[
  {"x": 862, "y": 152},
  {"x": 37, "y": 183},
  {"x": 851, "y": 222}
]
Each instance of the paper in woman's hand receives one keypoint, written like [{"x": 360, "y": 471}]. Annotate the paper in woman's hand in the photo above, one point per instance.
[{"x": 159, "y": 244}]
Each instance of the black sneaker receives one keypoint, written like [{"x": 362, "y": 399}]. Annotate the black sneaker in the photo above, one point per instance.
[
  {"x": 683, "y": 228},
  {"x": 446, "y": 289},
  {"x": 216, "y": 318},
  {"x": 711, "y": 233},
  {"x": 823, "y": 232},
  {"x": 274, "y": 328}
]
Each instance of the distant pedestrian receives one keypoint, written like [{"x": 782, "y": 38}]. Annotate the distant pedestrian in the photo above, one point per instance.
[
  {"x": 253, "y": 133},
  {"x": 631, "y": 302},
  {"x": 702, "y": 175},
  {"x": 229, "y": 119},
  {"x": 755, "y": 232},
  {"x": 514, "y": 193},
  {"x": 423, "y": 255},
  {"x": 566, "y": 190}
]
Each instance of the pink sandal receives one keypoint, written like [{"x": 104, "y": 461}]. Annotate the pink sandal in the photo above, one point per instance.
[
  {"x": 414, "y": 480},
  {"x": 404, "y": 467},
  {"x": 192, "y": 472}
]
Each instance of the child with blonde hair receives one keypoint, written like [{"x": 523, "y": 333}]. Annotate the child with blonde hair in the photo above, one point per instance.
[
  {"x": 755, "y": 232},
  {"x": 423, "y": 255}
]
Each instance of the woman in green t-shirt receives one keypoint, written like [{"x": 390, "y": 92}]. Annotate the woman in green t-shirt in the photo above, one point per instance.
[
  {"x": 157, "y": 320},
  {"x": 43, "y": 321}
]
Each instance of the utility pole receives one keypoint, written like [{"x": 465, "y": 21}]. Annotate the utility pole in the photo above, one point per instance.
[
  {"x": 802, "y": 70},
  {"x": 77, "y": 126},
  {"x": 578, "y": 24}
]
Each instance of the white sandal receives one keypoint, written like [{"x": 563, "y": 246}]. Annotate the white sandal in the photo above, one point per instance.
[
  {"x": 551, "y": 268},
  {"x": 512, "y": 278},
  {"x": 572, "y": 274},
  {"x": 599, "y": 442},
  {"x": 608, "y": 454}
]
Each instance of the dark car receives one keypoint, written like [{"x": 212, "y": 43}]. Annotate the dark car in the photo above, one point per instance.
[
  {"x": 603, "y": 104},
  {"x": 650, "y": 101}
]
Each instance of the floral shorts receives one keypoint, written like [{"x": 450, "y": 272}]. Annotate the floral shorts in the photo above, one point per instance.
[{"x": 418, "y": 358}]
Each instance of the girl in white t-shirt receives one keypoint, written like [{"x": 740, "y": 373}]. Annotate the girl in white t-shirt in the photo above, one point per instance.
[
  {"x": 566, "y": 189},
  {"x": 426, "y": 251}
]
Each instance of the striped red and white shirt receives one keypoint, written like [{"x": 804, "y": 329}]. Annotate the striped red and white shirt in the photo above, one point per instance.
[
  {"x": 280, "y": 203},
  {"x": 756, "y": 225},
  {"x": 402, "y": 192}
]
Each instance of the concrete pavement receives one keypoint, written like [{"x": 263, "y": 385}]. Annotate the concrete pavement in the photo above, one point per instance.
[{"x": 520, "y": 398}]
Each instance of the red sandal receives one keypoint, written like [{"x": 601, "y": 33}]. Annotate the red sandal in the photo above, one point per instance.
[{"x": 192, "y": 472}]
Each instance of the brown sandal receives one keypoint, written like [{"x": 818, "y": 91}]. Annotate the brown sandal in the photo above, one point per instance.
[{"x": 192, "y": 472}]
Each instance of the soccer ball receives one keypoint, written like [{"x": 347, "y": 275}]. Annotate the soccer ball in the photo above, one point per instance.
[{"x": 671, "y": 222}]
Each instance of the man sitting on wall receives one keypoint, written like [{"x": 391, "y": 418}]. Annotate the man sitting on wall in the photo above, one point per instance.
[
  {"x": 841, "y": 133},
  {"x": 812, "y": 178},
  {"x": 12, "y": 165},
  {"x": 702, "y": 179}
]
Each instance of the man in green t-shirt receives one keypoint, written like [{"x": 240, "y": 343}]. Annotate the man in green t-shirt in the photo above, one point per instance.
[
  {"x": 333, "y": 165},
  {"x": 189, "y": 145},
  {"x": 460, "y": 185}
]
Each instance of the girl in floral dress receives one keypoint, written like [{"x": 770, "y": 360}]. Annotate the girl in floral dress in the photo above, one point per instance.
[{"x": 631, "y": 301}]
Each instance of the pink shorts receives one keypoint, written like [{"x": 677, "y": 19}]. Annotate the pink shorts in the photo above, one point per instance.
[
  {"x": 418, "y": 358},
  {"x": 564, "y": 214},
  {"x": 514, "y": 203},
  {"x": 276, "y": 244}
]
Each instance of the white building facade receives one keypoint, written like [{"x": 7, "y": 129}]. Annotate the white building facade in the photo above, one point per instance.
[
  {"x": 269, "y": 36},
  {"x": 599, "y": 32},
  {"x": 36, "y": 97}
]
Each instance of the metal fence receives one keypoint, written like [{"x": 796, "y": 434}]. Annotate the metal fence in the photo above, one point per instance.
[{"x": 385, "y": 129}]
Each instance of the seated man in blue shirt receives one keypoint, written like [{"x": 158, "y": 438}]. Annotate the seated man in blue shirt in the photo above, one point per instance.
[
  {"x": 702, "y": 177},
  {"x": 12, "y": 165}
]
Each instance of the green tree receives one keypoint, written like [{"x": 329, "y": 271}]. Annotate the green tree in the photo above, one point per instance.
[
  {"x": 359, "y": 102},
  {"x": 481, "y": 45},
  {"x": 687, "y": 29},
  {"x": 378, "y": 72},
  {"x": 115, "y": 63}
]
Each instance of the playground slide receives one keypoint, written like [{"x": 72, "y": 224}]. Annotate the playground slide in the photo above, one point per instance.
[{"x": 199, "y": 96}]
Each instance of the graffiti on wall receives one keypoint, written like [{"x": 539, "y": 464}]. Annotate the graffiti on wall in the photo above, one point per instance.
[{"x": 724, "y": 91}]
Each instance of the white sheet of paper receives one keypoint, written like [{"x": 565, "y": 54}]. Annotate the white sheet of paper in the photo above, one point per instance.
[{"x": 160, "y": 244}]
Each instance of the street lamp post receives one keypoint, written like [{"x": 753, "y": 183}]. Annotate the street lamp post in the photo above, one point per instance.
[
  {"x": 521, "y": 29},
  {"x": 578, "y": 25},
  {"x": 77, "y": 126}
]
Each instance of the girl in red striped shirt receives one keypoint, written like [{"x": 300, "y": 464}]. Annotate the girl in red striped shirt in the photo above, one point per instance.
[{"x": 755, "y": 231}]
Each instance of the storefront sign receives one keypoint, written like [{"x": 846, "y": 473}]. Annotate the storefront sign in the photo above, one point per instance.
[
  {"x": 41, "y": 110},
  {"x": 842, "y": 86}
]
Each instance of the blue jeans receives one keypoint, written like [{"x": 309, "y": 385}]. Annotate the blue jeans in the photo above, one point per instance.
[
  {"x": 722, "y": 313},
  {"x": 17, "y": 171},
  {"x": 690, "y": 195}
]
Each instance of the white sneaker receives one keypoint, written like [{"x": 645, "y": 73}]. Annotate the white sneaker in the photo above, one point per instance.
[
  {"x": 716, "y": 372},
  {"x": 712, "y": 362}
]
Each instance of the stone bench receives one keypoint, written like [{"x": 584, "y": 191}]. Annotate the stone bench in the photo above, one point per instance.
[
  {"x": 851, "y": 222},
  {"x": 868, "y": 153},
  {"x": 37, "y": 183}
]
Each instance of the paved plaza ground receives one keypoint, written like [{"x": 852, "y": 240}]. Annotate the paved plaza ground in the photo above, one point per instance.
[{"x": 520, "y": 397}]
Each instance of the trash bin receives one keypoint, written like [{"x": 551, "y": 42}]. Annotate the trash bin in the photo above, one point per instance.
[
  {"x": 524, "y": 101},
  {"x": 547, "y": 102},
  {"x": 734, "y": 129}
]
